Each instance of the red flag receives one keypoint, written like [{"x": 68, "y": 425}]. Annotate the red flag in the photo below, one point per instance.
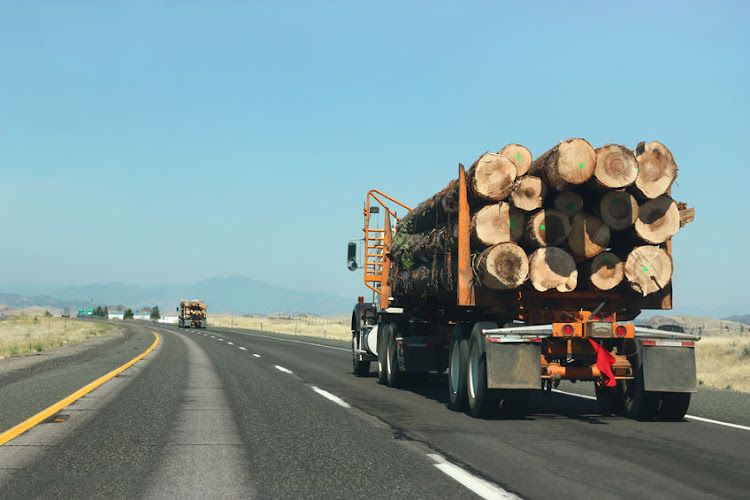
[{"x": 604, "y": 361}]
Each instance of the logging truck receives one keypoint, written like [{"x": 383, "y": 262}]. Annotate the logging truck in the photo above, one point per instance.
[
  {"x": 498, "y": 345},
  {"x": 192, "y": 314}
]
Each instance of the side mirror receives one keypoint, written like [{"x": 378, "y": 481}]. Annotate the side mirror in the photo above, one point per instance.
[{"x": 351, "y": 256}]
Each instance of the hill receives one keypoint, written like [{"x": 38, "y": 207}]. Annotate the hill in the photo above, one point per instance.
[{"x": 235, "y": 294}]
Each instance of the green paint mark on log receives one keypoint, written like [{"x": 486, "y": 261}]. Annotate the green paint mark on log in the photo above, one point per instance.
[
  {"x": 518, "y": 156},
  {"x": 606, "y": 259},
  {"x": 645, "y": 269},
  {"x": 541, "y": 227},
  {"x": 580, "y": 165},
  {"x": 571, "y": 206}
]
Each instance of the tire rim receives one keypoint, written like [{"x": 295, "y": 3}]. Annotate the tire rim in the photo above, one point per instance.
[
  {"x": 473, "y": 372},
  {"x": 454, "y": 368},
  {"x": 389, "y": 361}
]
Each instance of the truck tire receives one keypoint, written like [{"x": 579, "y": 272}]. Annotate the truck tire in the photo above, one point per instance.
[
  {"x": 393, "y": 372},
  {"x": 483, "y": 402},
  {"x": 609, "y": 399},
  {"x": 383, "y": 333},
  {"x": 639, "y": 403},
  {"x": 360, "y": 368},
  {"x": 674, "y": 405},
  {"x": 458, "y": 361}
]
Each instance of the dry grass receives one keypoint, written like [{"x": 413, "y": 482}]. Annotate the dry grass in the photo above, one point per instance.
[
  {"x": 332, "y": 327},
  {"x": 724, "y": 362},
  {"x": 25, "y": 334}
]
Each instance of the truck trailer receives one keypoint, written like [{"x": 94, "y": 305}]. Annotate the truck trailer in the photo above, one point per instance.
[
  {"x": 192, "y": 314},
  {"x": 499, "y": 346}
]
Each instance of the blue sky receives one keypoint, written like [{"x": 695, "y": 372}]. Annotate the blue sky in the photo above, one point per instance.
[{"x": 166, "y": 142}]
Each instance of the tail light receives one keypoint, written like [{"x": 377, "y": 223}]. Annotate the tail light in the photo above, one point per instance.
[
  {"x": 621, "y": 331},
  {"x": 567, "y": 330},
  {"x": 549, "y": 317}
]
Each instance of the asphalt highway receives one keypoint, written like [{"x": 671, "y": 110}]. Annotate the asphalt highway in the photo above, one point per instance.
[{"x": 228, "y": 413}]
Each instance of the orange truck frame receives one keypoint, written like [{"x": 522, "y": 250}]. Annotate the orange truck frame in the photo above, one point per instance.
[{"x": 498, "y": 347}]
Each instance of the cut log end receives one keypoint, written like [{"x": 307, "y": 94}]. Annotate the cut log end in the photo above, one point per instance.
[
  {"x": 616, "y": 166},
  {"x": 576, "y": 162},
  {"x": 619, "y": 209},
  {"x": 589, "y": 236},
  {"x": 552, "y": 268},
  {"x": 547, "y": 228},
  {"x": 497, "y": 223},
  {"x": 656, "y": 169},
  {"x": 519, "y": 155},
  {"x": 607, "y": 271},
  {"x": 648, "y": 269},
  {"x": 568, "y": 202},
  {"x": 502, "y": 267},
  {"x": 493, "y": 177},
  {"x": 658, "y": 220},
  {"x": 528, "y": 193}
]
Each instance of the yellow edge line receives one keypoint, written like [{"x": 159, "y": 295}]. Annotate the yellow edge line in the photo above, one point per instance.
[{"x": 19, "y": 429}]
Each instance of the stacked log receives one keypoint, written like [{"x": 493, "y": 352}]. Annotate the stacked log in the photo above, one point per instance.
[{"x": 576, "y": 218}]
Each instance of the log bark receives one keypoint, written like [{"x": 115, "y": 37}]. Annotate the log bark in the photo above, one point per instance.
[
  {"x": 589, "y": 236},
  {"x": 648, "y": 269},
  {"x": 568, "y": 202},
  {"x": 497, "y": 223},
  {"x": 569, "y": 163},
  {"x": 656, "y": 169},
  {"x": 547, "y": 228},
  {"x": 552, "y": 268},
  {"x": 687, "y": 214},
  {"x": 616, "y": 167},
  {"x": 528, "y": 193},
  {"x": 424, "y": 283},
  {"x": 491, "y": 178},
  {"x": 432, "y": 212},
  {"x": 409, "y": 250},
  {"x": 618, "y": 209},
  {"x": 502, "y": 267},
  {"x": 519, "y": 155},
  {"x": 607, "y": 271},
  {"x": 658, "y": 220}
]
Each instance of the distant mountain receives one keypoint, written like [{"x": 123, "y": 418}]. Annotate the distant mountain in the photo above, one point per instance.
[
  {"x": 21, "y": 301},
  {"x": 744, "y": 318},
  {"x": 235, "y": 294}
]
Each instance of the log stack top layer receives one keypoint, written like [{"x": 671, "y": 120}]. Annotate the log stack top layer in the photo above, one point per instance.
[{"x": 574, "y": 219}]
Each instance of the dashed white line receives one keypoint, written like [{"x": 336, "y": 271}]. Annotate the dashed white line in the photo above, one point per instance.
[
  {"x": 256, "y": 355},
  {"x": 230, "y": 343},
  {"x": 295, "y": 341},
  {"x": 484, "y": 489},
  {"x": 282, "y": 369},
  {"x": 241, "y": 348},
  {"x": 689, "y": 417},
  {"x": 331, "y": 397}
]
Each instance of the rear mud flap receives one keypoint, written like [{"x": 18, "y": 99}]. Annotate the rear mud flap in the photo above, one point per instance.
[
  {"x": 513, "y": 365},
  {"x": 669, "y": 369}
]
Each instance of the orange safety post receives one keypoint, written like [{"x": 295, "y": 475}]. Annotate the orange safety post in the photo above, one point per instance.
[
  {"x": 385, "y": 284},
  {"x": 466, "y": 295}
]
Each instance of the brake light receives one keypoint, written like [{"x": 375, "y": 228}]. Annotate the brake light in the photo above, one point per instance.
[
  {"x": 688, "y": 344},
  {"x": 649, "y": 342},
  {"x": 567, "y": 330},
  {"x": 549, "y": 317},
  {"x": 594, "y": 318},
  {"x": 360, "y": 299},
  {"x": 536, "y": 317},
  {"x": 621, "y": 331},
  {"x": 609, "y": 319}
]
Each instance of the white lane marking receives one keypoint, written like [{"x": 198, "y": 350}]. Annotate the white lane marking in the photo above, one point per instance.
[
  {"x": 213, "y": 337},
  {"x": 331, "y": 397},
  {"x": 256, "y": 355},
  {"x": 241, "y": 348},
  {"x": 689, "y": 417},
  {"x": 230, "y": 343},
  {"x": 282, "y": 369},
  {"x": 220, "y": 339},
  {"x": 717, "y": 422},
  {"x": 483, "y": 488},
  {"x": 295, "y": 341}
]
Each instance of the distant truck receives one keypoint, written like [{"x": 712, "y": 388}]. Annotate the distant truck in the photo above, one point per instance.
[
  {"x": 66, "y": 312},
  {"x": 192, "y": 314}
]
